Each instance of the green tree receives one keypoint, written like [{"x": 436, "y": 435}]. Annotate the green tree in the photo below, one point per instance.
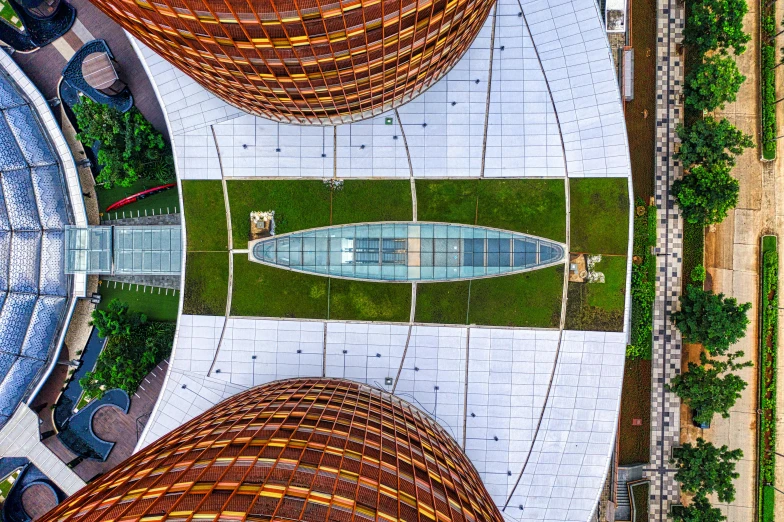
[
  {"x": 699, "y": 510},
  {"x": 130, "y": 147},
  {"x": 711, "y": 319},
  {"x": 704, "y": 469},
  {"x": 706, "y": 194},
  {"x": 715, "y": 25},
  {"x": 128, "y": 358},
  {"x": 116, "y": 319},
  {"x": 712, "y": 83},
  {"x": 708, "y": 142},
  {"x": 706, "y": 387}
]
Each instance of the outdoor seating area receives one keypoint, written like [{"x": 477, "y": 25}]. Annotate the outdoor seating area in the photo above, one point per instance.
[
  {"x": 92, "y": 71},
  {"x": 31, "y": 494}
]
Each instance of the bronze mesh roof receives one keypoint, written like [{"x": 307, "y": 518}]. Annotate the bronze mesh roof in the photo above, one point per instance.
[
  {"x": 299, "y": 449},
  {"x": 307, "y": 61}
]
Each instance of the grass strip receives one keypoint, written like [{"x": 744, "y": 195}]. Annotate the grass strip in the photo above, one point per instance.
[
  {"x": 768, "y": 350},
  {"x": 599, "y": 215},
  {"x": 643, "y": 291},
  {"x": 693, "y": 251},
  {"x": 205, "y": 216},
  {"x": 442, "y": 303},
  {"x": 768, "y": 79},
  {"x": 531, "y": 299},
  {"x": 367, "y": 201},
  {"x": 266, "y": 291},
  {"x": 162, "y": 202},
  {"x": 298, "y": 205},
  {"x": 206, "y": 283},
  {"x": 369, "y": 301},
  {"x": 158, "y": 304}
]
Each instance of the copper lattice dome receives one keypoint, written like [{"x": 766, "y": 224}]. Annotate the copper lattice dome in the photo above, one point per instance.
[
  {"x": 294, "y": 450},
  {"x": 307, "y": 61}
]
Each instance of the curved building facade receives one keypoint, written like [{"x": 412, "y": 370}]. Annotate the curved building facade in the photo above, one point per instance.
[
  {"x": 34, "y": 212},
  {"x": 298, "y": 449},
  {"x": 314, "y": 62}
]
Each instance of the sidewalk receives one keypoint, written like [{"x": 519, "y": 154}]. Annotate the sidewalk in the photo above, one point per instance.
[{"x": 732, "y": 261}]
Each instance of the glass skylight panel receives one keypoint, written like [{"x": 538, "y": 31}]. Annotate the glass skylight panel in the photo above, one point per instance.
[{"x": 407, "y": 251}]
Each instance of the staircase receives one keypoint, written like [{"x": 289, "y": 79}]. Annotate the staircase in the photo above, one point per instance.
[{"x": 626, "y": 474}]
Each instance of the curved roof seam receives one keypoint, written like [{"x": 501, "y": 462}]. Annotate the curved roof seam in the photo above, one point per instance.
[{"x": 535, "y": 435}]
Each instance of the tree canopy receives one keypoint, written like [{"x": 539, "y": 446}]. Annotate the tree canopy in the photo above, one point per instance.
[
  {"x": 709, "y": 142},
  {"x": 707, "y": 389},
  {"x": 712, "y": 83},
  {"x": 716, "y": 25},
  {"x": 116, "y": 319},
  {"x": 128, "y": 358},
  {"x": 704, "y": 469},
  {"x": 699, "y": 510},
  {"x": 711, "y": 319},
  {"x": 130, "y": 147},
  {"x": 706, "y": 194}
]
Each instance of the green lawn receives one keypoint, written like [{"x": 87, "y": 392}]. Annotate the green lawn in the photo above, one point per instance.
[
  {"x": 163, "y": 202},
  {"x": 205, "y": 216},
  {"x": 158, "y": 304},
  {"x": 369, "y": 301},
  {"x": 7, "y": 482},
  {"x": 530, "y": 299},
  {"x": 449, "y": 201},
  {"x": 442, "y": 303},
  {"x": 599, "y": 306},
  {"x": 362, "y": 201},
  {"x": 298, "y": 205},
  {"x": 599, "y": 215},
  {"x": 206, "y": 283},
  {"x": 531, "y": 206},
  {"x": 7, "y": 13},
  {"x": 265, "y": 291}
]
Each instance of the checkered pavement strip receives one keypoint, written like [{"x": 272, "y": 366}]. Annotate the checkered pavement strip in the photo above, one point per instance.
[{"x": 665, "y": 406}]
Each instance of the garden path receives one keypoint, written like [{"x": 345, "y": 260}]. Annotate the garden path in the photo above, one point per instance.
[{"x": 666, "y": 356}]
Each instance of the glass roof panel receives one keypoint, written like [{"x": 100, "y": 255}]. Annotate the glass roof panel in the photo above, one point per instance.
[{"x": 407, "y": 251}]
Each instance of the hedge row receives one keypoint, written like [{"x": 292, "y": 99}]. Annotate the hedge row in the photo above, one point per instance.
[
  {"x": 768, "y": 359},
  {"x": 643, "y": 292},
  {"x": 768, "y": 80}
]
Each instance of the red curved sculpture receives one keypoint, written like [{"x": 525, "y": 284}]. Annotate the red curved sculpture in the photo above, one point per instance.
[{"x": 139, "y": 195}]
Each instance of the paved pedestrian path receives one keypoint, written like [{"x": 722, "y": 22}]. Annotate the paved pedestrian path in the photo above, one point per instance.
[{"x": 666, "y": 363}]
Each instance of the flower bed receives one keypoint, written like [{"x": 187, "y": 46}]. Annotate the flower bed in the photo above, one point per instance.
[
  {"x": 768, "y": 79},
  {"x": 767, "y": 379}
]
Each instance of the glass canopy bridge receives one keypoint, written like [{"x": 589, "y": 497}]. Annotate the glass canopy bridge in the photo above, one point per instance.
[
  {"x": 123, "y": 250},
  {"x": 401, "y": 252}
]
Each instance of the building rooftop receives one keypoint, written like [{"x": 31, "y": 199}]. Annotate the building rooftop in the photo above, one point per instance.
[{"x": 34, "y": 211}]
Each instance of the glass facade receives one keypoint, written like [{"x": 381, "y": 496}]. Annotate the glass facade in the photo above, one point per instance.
[
  {"x": 123, "y": 250},
  {"x": 407, "y": 251}
]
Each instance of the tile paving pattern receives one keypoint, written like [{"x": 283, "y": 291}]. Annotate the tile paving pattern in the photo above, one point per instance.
[{"x": 665, "y": 406}]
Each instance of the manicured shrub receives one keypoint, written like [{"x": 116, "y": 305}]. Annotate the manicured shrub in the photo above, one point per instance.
[{"x": 698, "y": 274}]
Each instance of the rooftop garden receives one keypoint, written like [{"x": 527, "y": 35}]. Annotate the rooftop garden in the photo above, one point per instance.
[{"x": 531, "y": 299}]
